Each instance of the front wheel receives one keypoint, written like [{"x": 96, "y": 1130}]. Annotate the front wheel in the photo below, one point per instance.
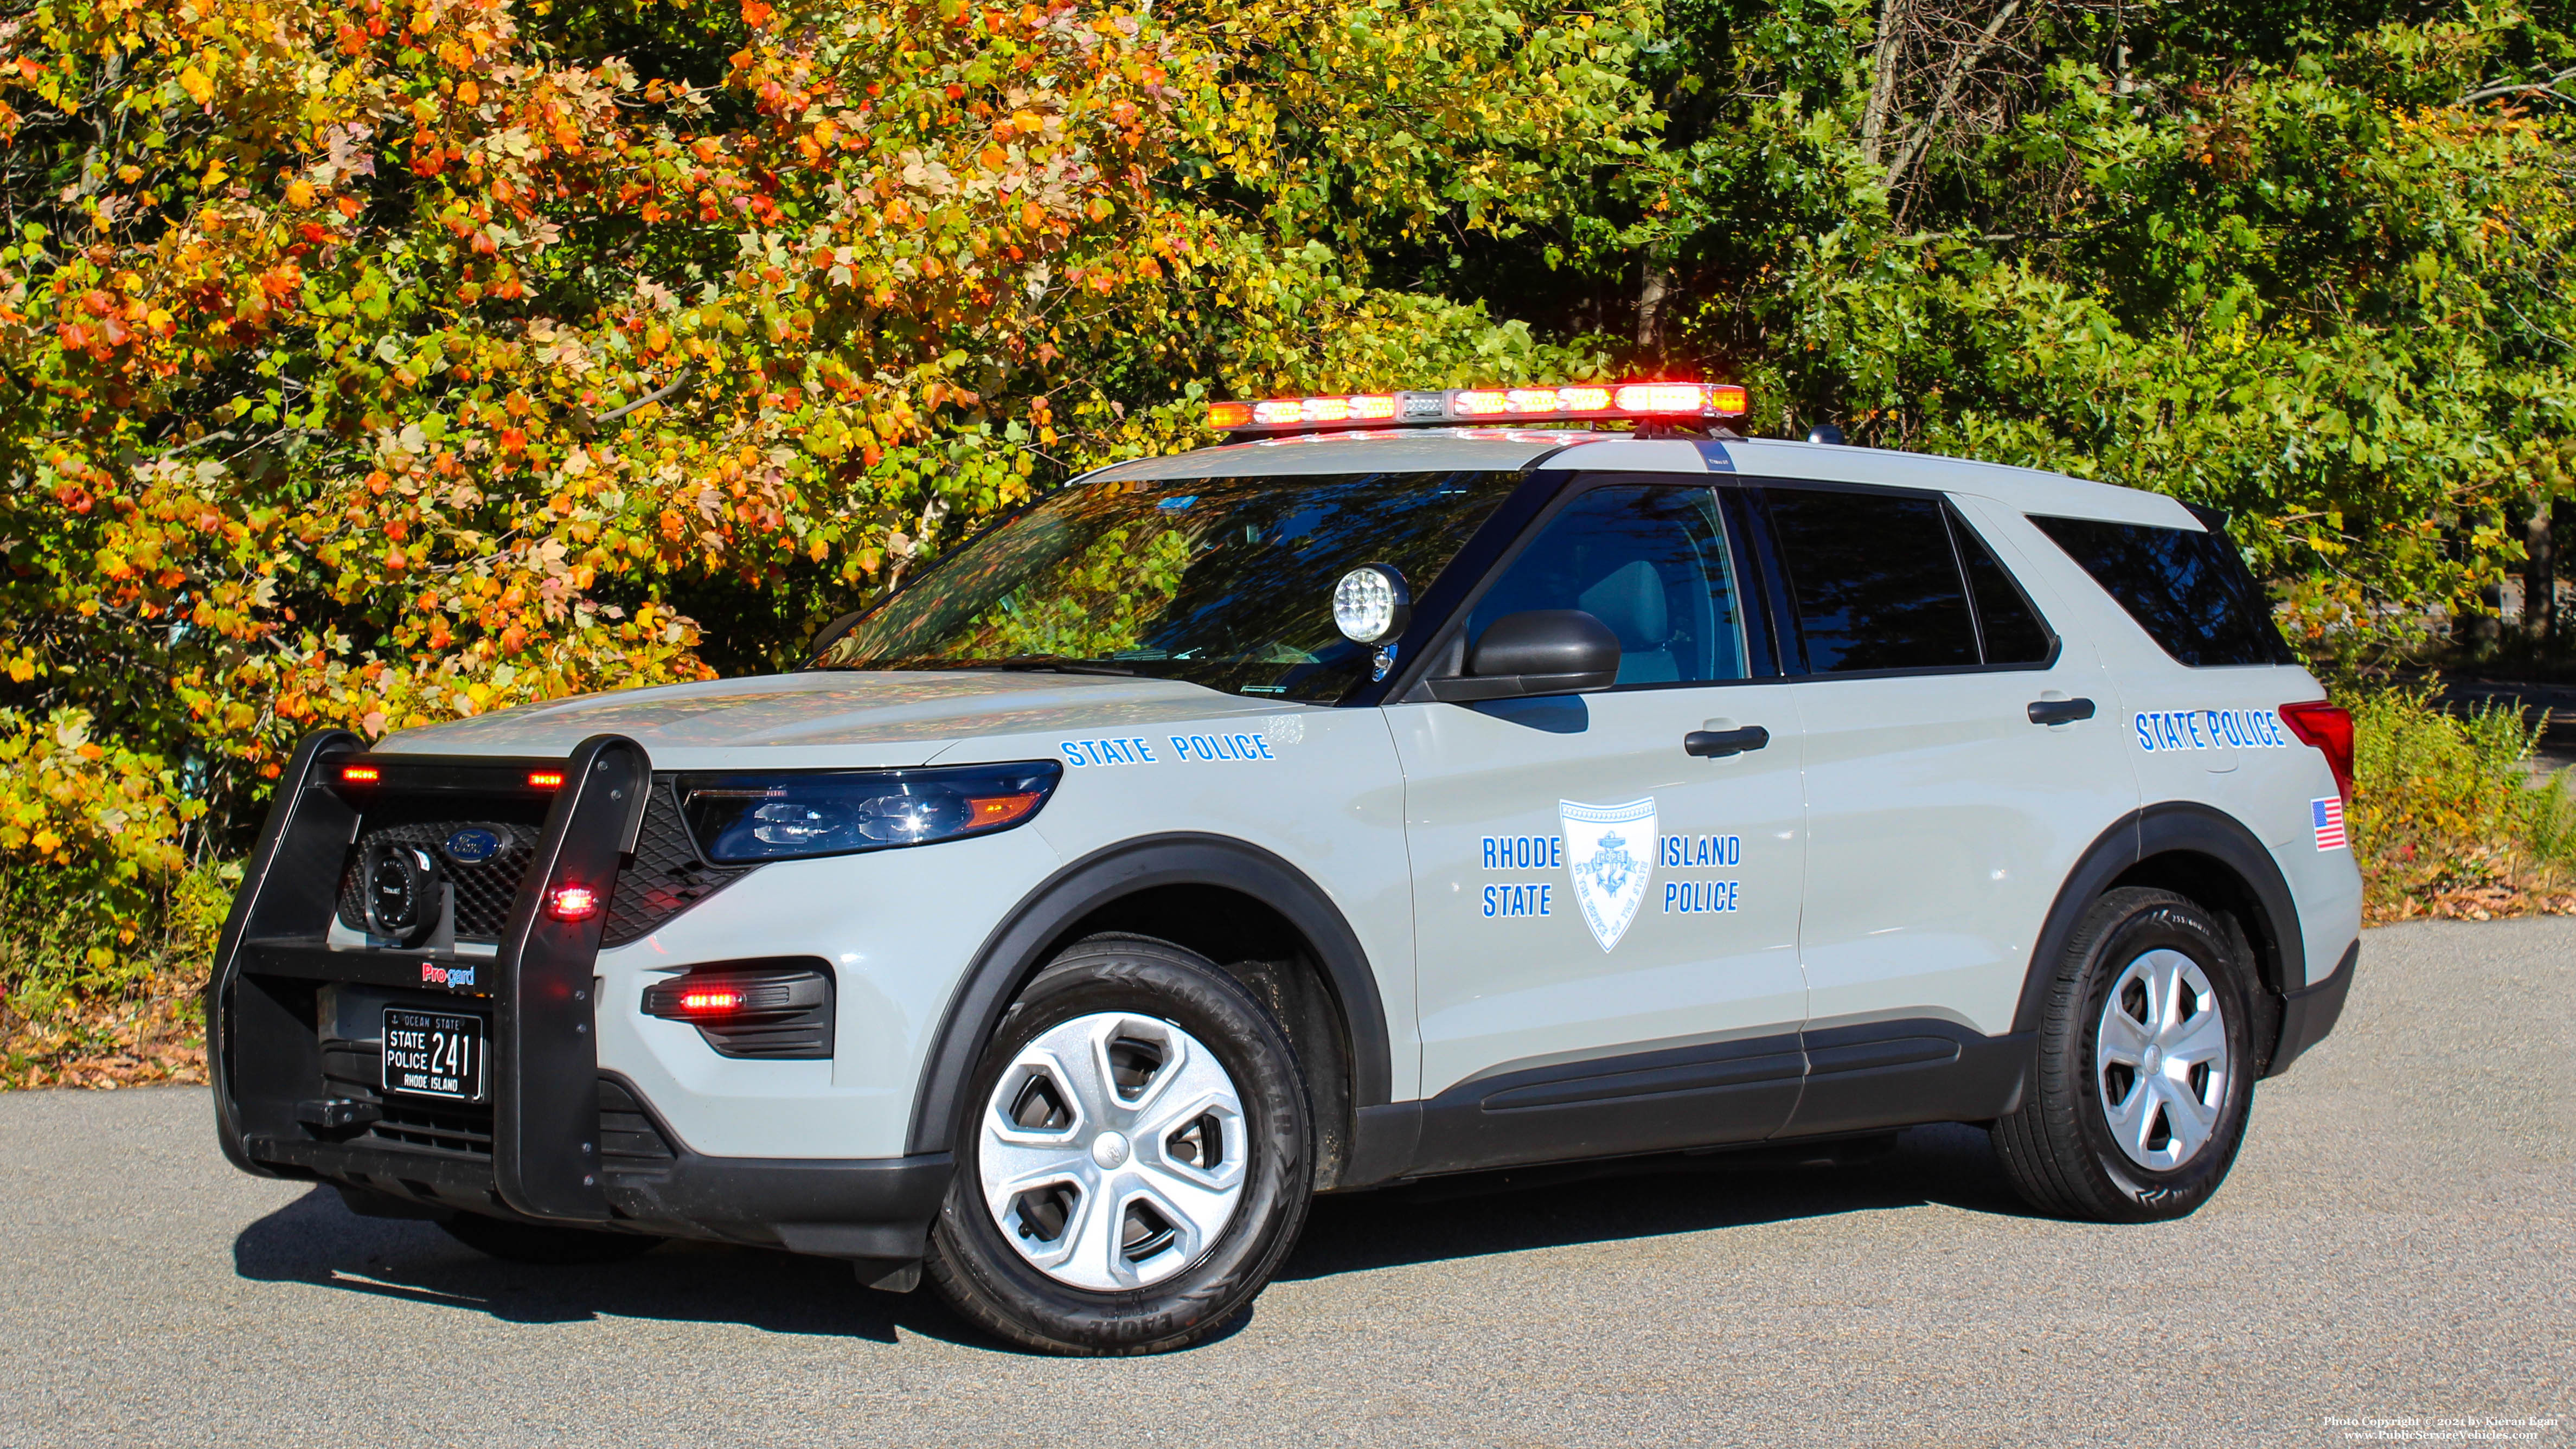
[
  {"x": 1138, "y": 1162},
  {"x": 2146, "y": 1067}
]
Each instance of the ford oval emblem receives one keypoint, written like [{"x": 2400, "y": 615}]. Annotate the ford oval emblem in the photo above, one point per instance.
[{"x": 473, "y": 845}]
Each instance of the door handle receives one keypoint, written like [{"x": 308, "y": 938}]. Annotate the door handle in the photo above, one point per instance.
[
  {"x": 1717, "y": 744},
  {"x": 2060, "y": 711}
]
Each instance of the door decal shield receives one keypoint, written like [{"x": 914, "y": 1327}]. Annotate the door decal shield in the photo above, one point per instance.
[{"x": 1610, "y": 851}]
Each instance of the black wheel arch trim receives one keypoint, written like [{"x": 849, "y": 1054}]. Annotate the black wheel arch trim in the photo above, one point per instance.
[
  {"x": 1017, "y": 949},
  {"x": 2311, "y": 1011},
  {"x": 2160, "y": 829}
]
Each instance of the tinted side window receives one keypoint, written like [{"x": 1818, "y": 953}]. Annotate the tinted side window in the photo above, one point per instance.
[
  {"x": 1872, "y": 581},
  {"x": 2012, "y": 628},
  {"x": 2189, "y": 591},
  {"x": 1650, "y": 562}
]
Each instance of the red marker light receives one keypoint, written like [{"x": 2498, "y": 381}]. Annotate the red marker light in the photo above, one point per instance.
[
  {"x": 573, "y": 903},
  {"x": 360, "y": 774},
  {"x": 545, "y": 779}
]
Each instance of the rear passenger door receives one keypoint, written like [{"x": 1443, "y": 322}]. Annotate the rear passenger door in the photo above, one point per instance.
[{"x": 1943, "y": 814}]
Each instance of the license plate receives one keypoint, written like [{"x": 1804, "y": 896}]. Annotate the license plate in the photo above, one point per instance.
[{"x": 433, "y": 1054}]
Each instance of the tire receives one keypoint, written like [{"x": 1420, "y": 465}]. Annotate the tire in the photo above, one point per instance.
[
  {"x": 1135, "y": 1162},
  {"x": 545, "y": 1243},
  {"x": 2141, "y": 1122}
]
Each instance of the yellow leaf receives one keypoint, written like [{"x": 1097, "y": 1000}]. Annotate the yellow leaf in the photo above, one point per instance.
[
  {"x": 299, "y": 194},
  {"x": 194, "y": 82},
  {"x": 45, "y": 841}
]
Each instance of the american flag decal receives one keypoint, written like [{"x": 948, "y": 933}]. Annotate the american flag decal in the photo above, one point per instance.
[{"x": 2328, "y": 814}]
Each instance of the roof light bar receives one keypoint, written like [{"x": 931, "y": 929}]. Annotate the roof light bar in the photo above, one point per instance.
[{"x": 1580, "y": 402}]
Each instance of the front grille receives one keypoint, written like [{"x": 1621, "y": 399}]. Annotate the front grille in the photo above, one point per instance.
[
  {"x": 667, "y": 876},
  {"x": 484, "y": 889},
  {"x": 458, "y": 1130},
  {"x": 629, "y": 1141}
]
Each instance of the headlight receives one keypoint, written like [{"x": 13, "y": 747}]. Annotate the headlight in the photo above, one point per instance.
[{"x": 737, "y": 819}]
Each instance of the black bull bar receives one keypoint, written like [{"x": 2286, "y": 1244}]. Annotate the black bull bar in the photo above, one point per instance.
[{"x": 544, "y": 1057}]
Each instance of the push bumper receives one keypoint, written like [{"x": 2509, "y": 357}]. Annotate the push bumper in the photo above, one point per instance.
[
  {"x": 558, "y": 1140},
  {"x": 2310, "y": 1012}
]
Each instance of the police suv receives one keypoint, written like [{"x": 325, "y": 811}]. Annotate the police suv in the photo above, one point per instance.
[{"x": 1399, "y": 789}]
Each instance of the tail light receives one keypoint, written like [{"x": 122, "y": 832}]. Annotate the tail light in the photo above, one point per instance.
[{"x": 2327, "y": 727}]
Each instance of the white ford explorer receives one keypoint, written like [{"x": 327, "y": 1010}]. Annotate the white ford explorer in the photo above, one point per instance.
[{"x": 1377, "y": 796}]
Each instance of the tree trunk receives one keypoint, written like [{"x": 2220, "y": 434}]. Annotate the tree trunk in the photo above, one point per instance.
[
  {"x": 1882, "y": 83},
  {"x": 2540, "y": 577},
  {"x": 1650, "y": 302}
]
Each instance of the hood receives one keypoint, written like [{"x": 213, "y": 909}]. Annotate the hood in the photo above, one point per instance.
[{"x": 828, "y": 717}]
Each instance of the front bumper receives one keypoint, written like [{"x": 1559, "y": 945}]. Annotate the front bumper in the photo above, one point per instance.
[
  {"x": 559, "y": 1140},
  {"x": 876, "y": 1210}
]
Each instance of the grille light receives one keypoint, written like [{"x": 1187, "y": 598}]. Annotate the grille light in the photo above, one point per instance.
[
  {"x": 1699, "y": 402},
  {"x": 573, "y": 903}
]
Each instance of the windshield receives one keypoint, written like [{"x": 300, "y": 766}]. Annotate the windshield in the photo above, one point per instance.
[{"x": 1226, "y": 582}]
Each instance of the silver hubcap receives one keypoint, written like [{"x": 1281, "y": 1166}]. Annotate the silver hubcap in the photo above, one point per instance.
[
  {"x": 1113, "y": 1151},
  {"x": 2160, "y": 1060}
]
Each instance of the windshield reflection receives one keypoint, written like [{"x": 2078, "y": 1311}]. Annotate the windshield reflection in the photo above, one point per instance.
[{"x": 1225, "y": 582}]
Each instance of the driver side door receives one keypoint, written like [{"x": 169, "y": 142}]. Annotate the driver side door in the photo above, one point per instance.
[{"x": 1606, "y": 926}]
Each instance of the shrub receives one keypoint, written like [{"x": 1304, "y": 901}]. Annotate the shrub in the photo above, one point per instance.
[{"x": 2447, "y": 821}]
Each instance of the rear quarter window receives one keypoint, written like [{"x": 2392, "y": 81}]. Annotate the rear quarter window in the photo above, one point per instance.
[{"x": 2189, "y": 590}]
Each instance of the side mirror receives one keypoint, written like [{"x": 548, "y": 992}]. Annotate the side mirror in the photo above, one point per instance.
[{"x": 1539, "y": 651}]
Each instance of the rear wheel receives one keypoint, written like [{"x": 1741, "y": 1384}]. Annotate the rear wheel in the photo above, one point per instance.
[
  {"x": 2145, "y": 1072},
  {"x": 1138, "y": 1161},
  {"x": 548, "y": 1243}
]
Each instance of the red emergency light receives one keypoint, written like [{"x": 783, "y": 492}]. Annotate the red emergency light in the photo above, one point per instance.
[
  {"x": 572, "y": 903},
  {"x": 1637, "y": 402}
]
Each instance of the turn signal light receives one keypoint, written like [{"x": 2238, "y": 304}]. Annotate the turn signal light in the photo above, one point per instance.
[
  {"x": 573, "y": 903},
  {"x": 1002, "y": 809}
]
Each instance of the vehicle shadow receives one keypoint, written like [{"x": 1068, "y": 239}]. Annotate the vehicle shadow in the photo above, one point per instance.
[
  {"x": 317, "y": 1240},
  {"x": 1476, "y": 1214}
]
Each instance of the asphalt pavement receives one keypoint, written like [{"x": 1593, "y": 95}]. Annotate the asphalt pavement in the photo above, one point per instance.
[{"x": 2398, "y": 1242}]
